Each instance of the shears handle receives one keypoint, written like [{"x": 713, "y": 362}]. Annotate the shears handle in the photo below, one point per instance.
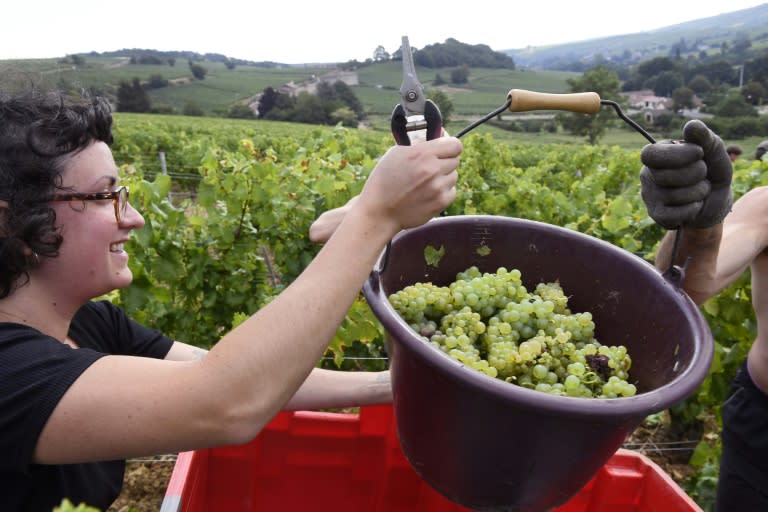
[{"x": 432, "y": 121}]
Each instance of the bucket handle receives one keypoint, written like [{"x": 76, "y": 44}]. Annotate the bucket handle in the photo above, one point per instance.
[
  {"x": 381, "y": 264},
  {"x": 675, "y": 274}
]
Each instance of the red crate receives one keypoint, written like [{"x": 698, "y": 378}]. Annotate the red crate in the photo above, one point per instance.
[{"x": 338, "y": 462}]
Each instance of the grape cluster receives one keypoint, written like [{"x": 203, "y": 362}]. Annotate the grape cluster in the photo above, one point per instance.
[{"x": 492, "y": 323}]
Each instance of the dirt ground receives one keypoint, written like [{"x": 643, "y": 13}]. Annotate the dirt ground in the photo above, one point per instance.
[
  {"x": 146, "y": 480},
  {"x": 144, "y": 485}
]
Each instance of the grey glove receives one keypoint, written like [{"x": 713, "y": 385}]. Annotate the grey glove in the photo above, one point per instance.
[{"x": 687, "y": 183}]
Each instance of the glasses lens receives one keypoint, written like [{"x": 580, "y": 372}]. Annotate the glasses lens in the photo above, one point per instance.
[{"x": 122, "y": 202}]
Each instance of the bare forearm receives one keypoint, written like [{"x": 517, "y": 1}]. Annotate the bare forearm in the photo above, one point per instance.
[
  {"x": 697, "y": 252},
  {"x": 322, "y": 389},
  {"x": 263, "y": 362},
  {"x": 332, "y": 389}
]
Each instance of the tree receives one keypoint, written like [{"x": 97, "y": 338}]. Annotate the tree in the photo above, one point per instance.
[
  {"x": 460, "y": 75},
  {"x": 157, "y": 81},
  {"x": 347, "y": 96},
  {"x": 700, "y": 85},
  {"x": 666, "y": 82},
  {"x": 267, "y": 101},
  {"x": 380, "y": 54},
  {"x": 311, "y": 109},
  {"x": 345, "y": 116},
  {"x": 198, "y": 71},
  {"x": 131, "y": 97},
  {"x": 754, "y": 93},
  {"x": 282, "y": 110},
  {"x": 606, "y": 84},
  {"x": 734, "y": 105},
  {"x": 77, "y": 60},
  {"x": 683, "y": 98},
  {"x": 654, "y": 67},
  {"x": 240, "y": 111},
  {"x": 443, "y": 103}
]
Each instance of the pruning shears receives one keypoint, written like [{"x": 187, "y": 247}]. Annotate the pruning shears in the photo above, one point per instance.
[{"x": 415, "y": 111}]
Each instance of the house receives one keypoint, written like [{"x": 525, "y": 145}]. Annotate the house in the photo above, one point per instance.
[{"x": 648, "y": 104}]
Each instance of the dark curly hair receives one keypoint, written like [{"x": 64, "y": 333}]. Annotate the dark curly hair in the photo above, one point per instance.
[{"x": 39, "y": 133}]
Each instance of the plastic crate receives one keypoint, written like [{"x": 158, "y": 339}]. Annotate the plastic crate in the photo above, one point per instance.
[{"x": 339, "y": 462}]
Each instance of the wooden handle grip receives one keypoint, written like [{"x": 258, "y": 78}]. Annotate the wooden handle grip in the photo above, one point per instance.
[{"x": 523, "y": 101}]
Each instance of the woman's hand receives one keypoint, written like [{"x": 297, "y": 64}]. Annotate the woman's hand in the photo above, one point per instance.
[
  {"x": 324, "y": 226},
  {"x": 435, "y": 162},
  {"x": 412, "y": 184}
]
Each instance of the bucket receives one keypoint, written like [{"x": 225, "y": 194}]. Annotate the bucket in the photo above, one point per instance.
[{"x": 494, "y": 446}]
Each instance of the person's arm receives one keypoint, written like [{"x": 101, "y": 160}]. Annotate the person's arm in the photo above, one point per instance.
[
  {"x": 697, "y": 251},
  {"x": 720, "y": 254},
  {"x": 686, "y": 188},
  {"x": 323, "y": 389},
  {"x": 130, "y": 406},
  {"x": 324, "y": 226}
]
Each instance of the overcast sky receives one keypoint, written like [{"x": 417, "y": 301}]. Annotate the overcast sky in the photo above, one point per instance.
[{"x": 301, "y": 31}]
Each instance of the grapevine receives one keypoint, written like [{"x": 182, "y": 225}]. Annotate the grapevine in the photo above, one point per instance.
[{"x": 490, "y": 322}]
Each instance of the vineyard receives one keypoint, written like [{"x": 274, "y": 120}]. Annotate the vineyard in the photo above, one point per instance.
[{"x": 227, "y": 224}]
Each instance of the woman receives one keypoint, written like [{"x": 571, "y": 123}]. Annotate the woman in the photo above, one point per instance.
[{"x": 83, "y": 387}]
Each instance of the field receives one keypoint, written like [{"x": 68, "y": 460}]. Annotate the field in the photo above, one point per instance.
[{"x": 377, "y": 87}]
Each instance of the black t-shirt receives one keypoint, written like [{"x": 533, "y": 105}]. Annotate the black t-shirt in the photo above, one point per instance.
[{"x": 35, "y": 372}]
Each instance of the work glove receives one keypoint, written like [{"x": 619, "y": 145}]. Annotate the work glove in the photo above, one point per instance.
[{"x": 687, "y": 183}]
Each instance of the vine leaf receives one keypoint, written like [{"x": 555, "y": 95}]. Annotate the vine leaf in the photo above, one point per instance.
[{"x": 432, "y": 256}]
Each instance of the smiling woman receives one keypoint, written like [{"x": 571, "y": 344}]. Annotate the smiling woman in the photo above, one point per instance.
[{"x": 70, "y": 363}]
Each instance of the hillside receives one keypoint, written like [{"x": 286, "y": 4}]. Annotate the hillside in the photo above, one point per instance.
[
  {"x": 706, "y": 34},
  {"x": 733, "y": 37},
  {"x": 375, "y": 85}
]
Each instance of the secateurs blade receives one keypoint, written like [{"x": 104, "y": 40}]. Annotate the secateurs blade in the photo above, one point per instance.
[{"x": 415, "y": 111}]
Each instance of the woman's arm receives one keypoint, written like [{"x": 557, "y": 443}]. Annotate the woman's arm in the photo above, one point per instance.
[
  {"x": 323, "y": 389},
  {"x": 124, "y": 406}
]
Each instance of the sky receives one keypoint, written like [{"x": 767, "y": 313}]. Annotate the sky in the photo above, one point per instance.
[{"x": 319, "y": 31}]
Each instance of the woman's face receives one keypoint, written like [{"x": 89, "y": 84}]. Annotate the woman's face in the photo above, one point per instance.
[{"x": 91, "y": 259}]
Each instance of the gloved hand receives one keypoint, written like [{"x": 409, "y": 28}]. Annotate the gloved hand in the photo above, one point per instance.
[{"x": 687, "y": 183}]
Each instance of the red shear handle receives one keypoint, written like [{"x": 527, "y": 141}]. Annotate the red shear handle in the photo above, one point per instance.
[{"x": 523, "y": 101}]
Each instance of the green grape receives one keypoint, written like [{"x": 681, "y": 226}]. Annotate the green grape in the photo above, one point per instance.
[{"x": 491, "y": 323}]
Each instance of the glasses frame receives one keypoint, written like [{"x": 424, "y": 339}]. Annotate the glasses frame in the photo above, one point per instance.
[{"x": 119, "y": 198}]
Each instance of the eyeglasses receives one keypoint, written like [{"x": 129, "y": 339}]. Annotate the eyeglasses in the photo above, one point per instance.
[{"x": 119, "y": 198}]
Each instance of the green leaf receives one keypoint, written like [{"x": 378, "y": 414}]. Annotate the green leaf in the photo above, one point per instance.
[{"x": 432, "y": 256}]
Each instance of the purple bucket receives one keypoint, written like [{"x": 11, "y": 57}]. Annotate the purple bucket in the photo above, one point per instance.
[{"x": 493, "y": 446}]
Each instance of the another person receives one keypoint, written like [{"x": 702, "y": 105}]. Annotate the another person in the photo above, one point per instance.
[
  {"x": 687, "y": 186},
  {"x": 761, "y": 150},
  {"x": 734, "y": 152},
  {"x": 83, "y": 387}
]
